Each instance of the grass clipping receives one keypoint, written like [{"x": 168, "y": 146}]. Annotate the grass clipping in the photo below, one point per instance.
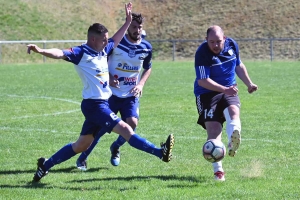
[{"x": 253, "y": 170}]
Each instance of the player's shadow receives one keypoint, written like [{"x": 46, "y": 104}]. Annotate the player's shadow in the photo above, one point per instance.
[
  {"x": 185, "y": 181},
  {"x": 139, "y": 178},
  {"x": 64, "y": 170}
]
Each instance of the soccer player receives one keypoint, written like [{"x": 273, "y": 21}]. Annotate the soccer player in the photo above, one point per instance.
[
  {"x": 217, "y": 60},
  {"x": 90, "y": 62},
  {"x": 125, "y": 65}
]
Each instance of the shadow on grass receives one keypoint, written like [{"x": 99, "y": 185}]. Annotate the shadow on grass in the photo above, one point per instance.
[
  {"x": 64, "y": 170},
  {"x": 185, "y": 181},
  {"x": 138, "y": 178}
]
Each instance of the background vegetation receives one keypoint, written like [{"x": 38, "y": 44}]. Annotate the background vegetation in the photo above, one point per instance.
[{"x": 165, "y": 20}]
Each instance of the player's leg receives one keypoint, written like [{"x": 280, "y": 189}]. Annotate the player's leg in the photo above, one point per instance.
[
  {"x": 65, "y": 153},
  {"x": 164, "y": 153},
  {"x": 210, "y": 118},
  {"x": 233, "y": 129},
  {"x": 92, "y": 112},
  {"x": 129, "y": 110},
  {"x": 214, "y": 131},
  {"x": 115, "y": 146},
  {"x": 81, "y": 162},
  {"x": 233, "y": 123}
]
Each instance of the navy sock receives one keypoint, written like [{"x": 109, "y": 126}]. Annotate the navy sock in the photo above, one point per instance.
[
  {"x": 119, "y": 142},
  {"x": 62, "y": 155},
  {"x": 142, "y": 144}
]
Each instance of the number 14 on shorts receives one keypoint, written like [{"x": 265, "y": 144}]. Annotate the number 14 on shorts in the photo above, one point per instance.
[{"x": 210, "y": 113}]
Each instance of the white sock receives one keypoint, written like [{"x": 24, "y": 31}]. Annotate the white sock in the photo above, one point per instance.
[
  {"x": 235, "y": 124},
  {"x": 231, "y": 124},
  {"x": 217, "y": 166}
]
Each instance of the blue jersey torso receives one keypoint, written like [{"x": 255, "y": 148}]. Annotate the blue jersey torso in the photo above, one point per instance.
[{"x": 220, "y": 68}]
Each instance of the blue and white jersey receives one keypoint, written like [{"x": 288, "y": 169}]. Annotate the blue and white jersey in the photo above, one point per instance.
[
  {"x": 126, "y": 62},
  {"x": 220, "y": 68},
  {"x": 92, "y": 69}
]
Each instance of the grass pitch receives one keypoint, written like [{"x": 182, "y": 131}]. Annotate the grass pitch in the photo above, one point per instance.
[{"x": 40, "y": 112}]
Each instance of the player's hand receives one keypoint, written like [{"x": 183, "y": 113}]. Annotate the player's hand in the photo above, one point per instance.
[
  {"x": 128, "y": 10},
  {"x": 33, "y": 47},
  {"x": 232, "y": 90},
  {"x": 113, "y": 81},
  {"x": 137, "y": 91},
  {"x": 252, "y": 88}
]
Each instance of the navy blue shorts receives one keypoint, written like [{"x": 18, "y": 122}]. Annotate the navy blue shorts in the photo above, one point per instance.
[
  {"x": 128, "y": 107},
  {"x": 97, "y": 115},
  {"x": 211, "y": 105}
]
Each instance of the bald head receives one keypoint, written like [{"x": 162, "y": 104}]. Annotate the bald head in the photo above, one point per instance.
[
  {"x": 215, "y": 39},
  {"x": 215, "y": 29}
]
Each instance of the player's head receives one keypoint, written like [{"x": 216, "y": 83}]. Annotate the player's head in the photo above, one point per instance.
[
  {"x": 97, "y": 36},
  {"x": 135, "y": 29},
  {"x": 215, "y": 39}
]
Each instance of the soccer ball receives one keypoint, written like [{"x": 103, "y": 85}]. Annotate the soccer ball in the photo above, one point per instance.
[{"x": 213, "y": 150}]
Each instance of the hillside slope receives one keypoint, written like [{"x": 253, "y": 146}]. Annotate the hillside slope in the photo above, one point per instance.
[{"x": 165, "y": 19}]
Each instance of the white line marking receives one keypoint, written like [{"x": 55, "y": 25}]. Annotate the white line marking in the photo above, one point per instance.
[
  {"x": 44, "y": 97},
  {"x": 32, "y": 130},
  {"x": 45, "y": 115}
]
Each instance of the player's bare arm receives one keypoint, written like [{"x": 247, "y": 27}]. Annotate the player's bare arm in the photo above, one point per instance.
[
  {"x": 138, "y": 89},
  {"x": 50, "y": 53},
  {"x": 242, "y": 73},
  {"x": 117, "y": 37},
  {"x": 212, "y": 85}
]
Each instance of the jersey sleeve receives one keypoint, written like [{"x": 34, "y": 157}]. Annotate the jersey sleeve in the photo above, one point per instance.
[
  {"x": 110, "y": 46},
  {"x": 202, "y": 67},
  {"x": 73, "y": 54},
  {"x": 147, "y": 64},
  {"x": 237, "y": 52}
]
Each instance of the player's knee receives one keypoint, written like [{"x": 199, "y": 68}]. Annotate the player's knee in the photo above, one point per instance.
[
  {"x": 132, "y": 121},
  {"x": 82, "y": 144}
]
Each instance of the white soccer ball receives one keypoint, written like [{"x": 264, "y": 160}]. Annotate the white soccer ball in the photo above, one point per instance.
[{"x": 213, "y": 150}]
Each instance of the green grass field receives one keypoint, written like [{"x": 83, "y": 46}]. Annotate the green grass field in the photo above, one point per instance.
[{"x": 40, "y": 112}]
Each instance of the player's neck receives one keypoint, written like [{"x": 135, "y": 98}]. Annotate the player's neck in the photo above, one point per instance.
[{"x": 133, "y": 41}]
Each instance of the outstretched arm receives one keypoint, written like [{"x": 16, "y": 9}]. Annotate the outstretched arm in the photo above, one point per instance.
[
  {"x": 242, "y": 73},
  {"x": 50, "y": 53},
  {"x": 121, "y": 32}
]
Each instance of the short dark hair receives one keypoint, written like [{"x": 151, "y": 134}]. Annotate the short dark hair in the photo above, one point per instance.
[
  {"x": 137, "y": 17},
  {"x": 97, "y": 29}
]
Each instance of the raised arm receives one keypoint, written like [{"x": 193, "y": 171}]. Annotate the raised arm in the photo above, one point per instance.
[
  {"x": 50, "y": 53},
  {"x": 117, "y": 37}
]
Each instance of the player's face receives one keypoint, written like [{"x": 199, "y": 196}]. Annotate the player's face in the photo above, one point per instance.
[
  {"x": 135, "y": 31},
  {"x": 98, "y": 42},
  {"x": 215, "y": 41},
  {"x": 101, "y": 41}
]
